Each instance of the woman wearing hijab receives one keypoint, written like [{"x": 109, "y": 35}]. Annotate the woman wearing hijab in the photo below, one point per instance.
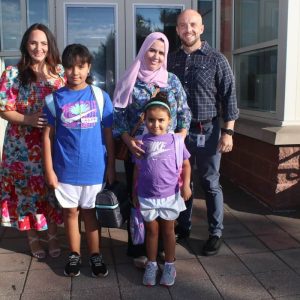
[{"x": 146, "y": 76}]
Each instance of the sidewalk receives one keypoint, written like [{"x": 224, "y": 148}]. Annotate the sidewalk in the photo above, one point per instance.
[{"x": 260, "y": 259}]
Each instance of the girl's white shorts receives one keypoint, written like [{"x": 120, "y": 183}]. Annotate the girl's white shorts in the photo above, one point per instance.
[
  {"x": 167, "y": 208},
  {"x": 71, "y": 196}
]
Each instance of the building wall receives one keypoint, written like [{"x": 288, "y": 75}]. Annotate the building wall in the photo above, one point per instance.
[{"x": 270, "y": 172}]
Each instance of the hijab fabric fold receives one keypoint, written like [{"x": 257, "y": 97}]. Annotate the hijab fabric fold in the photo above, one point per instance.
[{"x": 139, "y": 69}]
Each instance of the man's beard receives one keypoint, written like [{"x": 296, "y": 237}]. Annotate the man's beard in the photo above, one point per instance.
[{"x": 190, "y": 43}]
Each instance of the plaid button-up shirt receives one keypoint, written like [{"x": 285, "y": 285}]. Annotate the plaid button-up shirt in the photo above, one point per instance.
[{"x": 208, "y": 82}]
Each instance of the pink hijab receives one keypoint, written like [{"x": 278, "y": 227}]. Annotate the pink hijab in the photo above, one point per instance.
[{"x": 138, "y": 69}]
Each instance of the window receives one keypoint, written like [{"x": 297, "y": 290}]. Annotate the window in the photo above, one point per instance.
[
  {"x": 10, "y": 24},
  {"x": 154, "y": 18},
  {"x": 15, "y": 17},
  {"x": 207, "y": 9},
  {"x": 95, "y": 26},
  {"x": 37, "y": 12},
  {"x": 255, "y": 53}
]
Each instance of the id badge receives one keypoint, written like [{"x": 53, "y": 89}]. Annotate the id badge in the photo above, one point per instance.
[{"x": 200, "y": 140}]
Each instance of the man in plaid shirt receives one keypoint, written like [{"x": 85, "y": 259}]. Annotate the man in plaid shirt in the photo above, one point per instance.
[{"x": 209, "y": 84}]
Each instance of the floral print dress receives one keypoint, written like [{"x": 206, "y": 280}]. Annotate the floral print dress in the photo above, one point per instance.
[{"x": 25, "y": 200}]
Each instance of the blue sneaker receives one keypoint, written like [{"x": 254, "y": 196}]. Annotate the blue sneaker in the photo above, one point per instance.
[
  {"x": 150, "y": 274},
  {"x": 169, "y": 275}
]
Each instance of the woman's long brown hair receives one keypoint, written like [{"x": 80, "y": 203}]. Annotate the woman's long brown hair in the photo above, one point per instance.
[{"x": 26, "y": 74}]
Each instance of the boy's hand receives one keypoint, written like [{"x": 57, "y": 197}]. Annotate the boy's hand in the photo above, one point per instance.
[
  {"x": 51, "y": 179},
  {"x": 186, "y": 192},
  {"x": 110, "y": 175}
]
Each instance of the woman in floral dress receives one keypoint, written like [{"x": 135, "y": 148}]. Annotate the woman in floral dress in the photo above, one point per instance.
[{"x": 26, "y": 203}]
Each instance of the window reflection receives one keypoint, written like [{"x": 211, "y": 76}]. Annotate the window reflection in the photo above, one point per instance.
[
  {"x": 94, "y": 27},
  {"x": 256, "y": 79},
  {"x": 207, "y": 11},
  {"x": 10, "y": 24},
  {"x": 37, "y": 11},
  {"x": 256, "y": 21},
  {"x": 151, "y": 19}
]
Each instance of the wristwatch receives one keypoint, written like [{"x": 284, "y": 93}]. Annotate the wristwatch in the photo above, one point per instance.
[{"x": 227, "y": 131}]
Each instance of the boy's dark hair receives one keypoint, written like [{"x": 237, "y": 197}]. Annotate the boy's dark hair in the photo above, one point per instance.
[
  {"x": 74, "y": 54},
  {"x": 159, "y": 100},
  {"x": 26, "y": 74}
]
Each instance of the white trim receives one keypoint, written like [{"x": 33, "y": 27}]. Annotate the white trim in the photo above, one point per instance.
[{"x": 292, "y": 63}]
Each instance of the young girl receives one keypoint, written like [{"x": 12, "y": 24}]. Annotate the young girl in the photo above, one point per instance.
[
  {"x": 75, "y": 143},
  {"x": 159, "y": 197}
]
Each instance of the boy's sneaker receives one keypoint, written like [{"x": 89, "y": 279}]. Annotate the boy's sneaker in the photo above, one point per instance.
[
  {"x": 169, "y": 275},
  {"x": 72, "y": 268},
  {"x": 150, "y": 274},
  {"x": 98, "y": 267}
]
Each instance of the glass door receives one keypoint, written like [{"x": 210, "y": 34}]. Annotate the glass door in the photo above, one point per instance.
[
  {"x": 94, "y": 25},
  {"x": 145, "y": 17}
]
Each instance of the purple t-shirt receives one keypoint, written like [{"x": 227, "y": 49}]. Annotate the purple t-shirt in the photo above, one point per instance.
[{"x": 158, "y": 174}]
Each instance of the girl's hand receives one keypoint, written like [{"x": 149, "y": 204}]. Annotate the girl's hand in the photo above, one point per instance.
[
  {"x": 51, "y": 179},
  {"x": 186, "y": 192},
  {"x": 38, "y": 120}
]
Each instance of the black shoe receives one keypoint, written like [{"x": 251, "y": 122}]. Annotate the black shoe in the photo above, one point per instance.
[
  {"x": 72, "y": 268},
  {"x": 212, "y": 245},
  {"x": 98, "y": 267},
  {"x": 181, "y": 234}
]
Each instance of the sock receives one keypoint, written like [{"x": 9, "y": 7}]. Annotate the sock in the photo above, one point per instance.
[{"x": 153, "y": 263}]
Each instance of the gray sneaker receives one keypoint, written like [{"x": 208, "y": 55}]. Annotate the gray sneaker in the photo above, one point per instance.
[
  {"x": 149, "y": 278},
  {"x": 169, "y": 275}
]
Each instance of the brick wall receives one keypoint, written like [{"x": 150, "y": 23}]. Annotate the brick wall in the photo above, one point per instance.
[{"x": 269, "y": 172}]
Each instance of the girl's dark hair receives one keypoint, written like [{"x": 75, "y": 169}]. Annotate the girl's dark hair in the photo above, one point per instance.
[
  {"x": 74, "y": 54},
  {"x": 160, "y": 97},
  {"x": 26, "y": 74}
]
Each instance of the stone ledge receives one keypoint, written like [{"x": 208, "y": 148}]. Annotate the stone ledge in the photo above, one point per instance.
[{"x": 285, "y": 135}]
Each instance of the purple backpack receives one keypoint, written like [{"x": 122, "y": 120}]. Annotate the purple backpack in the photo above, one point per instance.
[{"x": 137, "y": 228}]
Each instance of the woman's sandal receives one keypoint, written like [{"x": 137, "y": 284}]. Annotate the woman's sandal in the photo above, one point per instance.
[
  {"x": 39, "y": 253},
  {"x": 55, "y": 252}
]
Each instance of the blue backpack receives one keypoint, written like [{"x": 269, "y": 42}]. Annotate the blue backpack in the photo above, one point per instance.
[{"x": 98, "y": 95}]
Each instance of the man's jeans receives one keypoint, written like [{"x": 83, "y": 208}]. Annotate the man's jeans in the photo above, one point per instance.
[{"x": 208, "y": 160}]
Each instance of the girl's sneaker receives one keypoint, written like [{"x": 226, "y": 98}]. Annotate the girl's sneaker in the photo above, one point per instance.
[
  {"x": 72, "y": 268},
  {"x": 98, "y": 267},
  {"x": 150, "y": 274},
  {"x": 169, "y": 275}
]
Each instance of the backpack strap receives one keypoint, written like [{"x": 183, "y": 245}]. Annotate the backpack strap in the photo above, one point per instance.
[
  {"x": 98, "y": 95},
  {"x": 49, "y": 101},
  {"x": 179, "y": 143}
]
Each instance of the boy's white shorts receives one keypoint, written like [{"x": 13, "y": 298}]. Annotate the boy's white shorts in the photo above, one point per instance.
[{"x": 71, "y": 196}]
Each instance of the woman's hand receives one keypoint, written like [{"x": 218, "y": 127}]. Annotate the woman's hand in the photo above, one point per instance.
[
  {"x": 133, "y": 144},
  {"x": 38, "y": 120}
]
